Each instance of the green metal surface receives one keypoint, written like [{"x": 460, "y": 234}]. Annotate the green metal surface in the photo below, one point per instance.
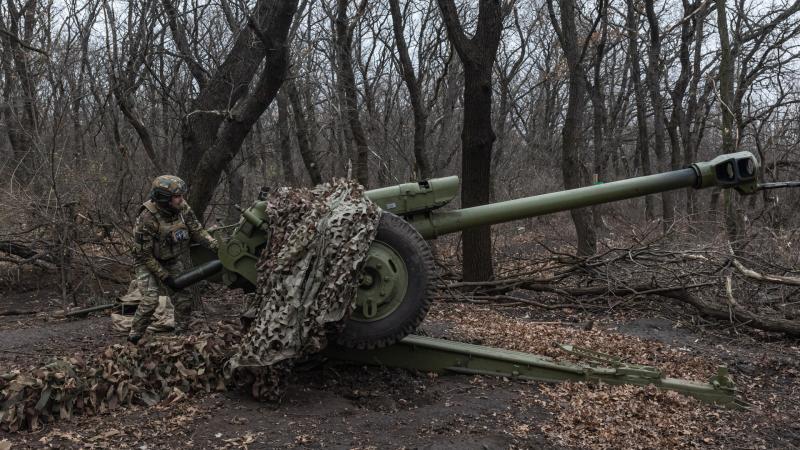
[
  {"x": 84, "y": 311},
  {"x": 416, "y": 197},
  {"x": 239, "y": 254},
  {"x": 738, "y": 170},
  {"x": 442, "y": 356},
  {"x": 384, "y": 281},
  {"x": 733, "y": 170}
]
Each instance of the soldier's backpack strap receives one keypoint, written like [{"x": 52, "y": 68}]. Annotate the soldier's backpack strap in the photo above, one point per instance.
[{"x": 150, "y": 206}]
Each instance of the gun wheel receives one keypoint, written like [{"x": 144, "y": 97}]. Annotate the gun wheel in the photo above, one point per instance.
[{"x": 396, "y": 286}]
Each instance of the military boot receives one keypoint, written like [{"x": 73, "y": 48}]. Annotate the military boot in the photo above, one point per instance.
[{"x": 134, "y": 338}]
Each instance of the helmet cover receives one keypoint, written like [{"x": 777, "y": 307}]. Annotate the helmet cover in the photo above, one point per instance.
[{"x": 166, "y": 186}]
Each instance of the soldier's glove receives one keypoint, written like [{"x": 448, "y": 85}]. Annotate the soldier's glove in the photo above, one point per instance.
[
  {"x": 170, "y": 283},
  {"x": 214, "y": 246}
]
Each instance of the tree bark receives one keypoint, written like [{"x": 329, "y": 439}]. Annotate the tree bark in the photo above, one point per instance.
[
  {"x": 733, "y": 223},
  {"x": 693, "y": 121},
  {"x": 412, "y": 82},
  {"x": 572, "y": 132},
  {"x": 22, "y": 121},
  {"x": 224, "y": 90},
  {"x": 347, "y": 86},
  {"x": 477, "y": 55},
  {"x": 653, "y": 79},
  {"x": 599, "y": 114},
  {"x": 642, "y": 138},
  {"x": 302, "y": 132},
  {"x": 285, "y": 140},
  {"x": 237, "y": 124},
  {"x": 235, "y": 190}
]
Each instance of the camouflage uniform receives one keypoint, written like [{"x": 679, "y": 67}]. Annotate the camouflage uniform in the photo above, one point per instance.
[{"x": 161, "y": 242}]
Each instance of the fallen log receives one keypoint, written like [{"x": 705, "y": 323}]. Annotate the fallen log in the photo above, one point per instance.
[
  {"x": 734, "y": 311},
  {"x": 18, "y": 312},
  {"x": 16, "y": 249}
]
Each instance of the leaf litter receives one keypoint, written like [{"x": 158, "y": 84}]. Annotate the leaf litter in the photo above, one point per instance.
[{"x": 603, "y": 416}]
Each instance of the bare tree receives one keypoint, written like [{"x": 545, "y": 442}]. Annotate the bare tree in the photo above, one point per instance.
[
  {"x": 303, "y": 134},
  {"x": 477, "y": 55},
  {"x": 642, "y": 138},
  {"x": 655, "y": 68},
  {"x": 413, "y": 81},
  {"x": 572, "y": 131},
  {"x": 20, "y": 108},
  {"x": 270, "y": 24},
  {"x": 343, "y": 42}
]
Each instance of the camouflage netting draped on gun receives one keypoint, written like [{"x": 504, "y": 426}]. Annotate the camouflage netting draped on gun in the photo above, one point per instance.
[{"x": 307, "y": 281}]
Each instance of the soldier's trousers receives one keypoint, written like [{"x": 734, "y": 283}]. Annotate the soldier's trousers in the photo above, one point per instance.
[{"x": 151, "y": 287}]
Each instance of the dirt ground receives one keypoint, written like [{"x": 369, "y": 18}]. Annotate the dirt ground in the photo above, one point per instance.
[{"x": 335, "y": 406}]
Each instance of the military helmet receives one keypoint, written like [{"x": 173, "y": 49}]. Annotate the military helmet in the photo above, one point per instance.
[{"x": 165, "y": 186}]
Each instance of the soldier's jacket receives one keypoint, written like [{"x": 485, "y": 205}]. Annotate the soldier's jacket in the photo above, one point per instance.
[{"x": 161, "y": 236}]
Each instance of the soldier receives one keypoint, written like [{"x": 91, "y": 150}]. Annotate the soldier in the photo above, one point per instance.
[{"x": 164, "y": 228}]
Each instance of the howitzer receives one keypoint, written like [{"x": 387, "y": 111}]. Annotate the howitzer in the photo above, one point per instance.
[
  {"x": 393, "y": 297},
  {"x": 398, "y": 274}
]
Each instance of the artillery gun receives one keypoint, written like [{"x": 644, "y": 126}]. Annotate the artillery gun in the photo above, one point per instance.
[
  {"x": 393, "y": 297},
  {"x": 398, "y": 275}
]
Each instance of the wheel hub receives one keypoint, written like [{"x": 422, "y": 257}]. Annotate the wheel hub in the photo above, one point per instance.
[{"x": 384, "y": 279}]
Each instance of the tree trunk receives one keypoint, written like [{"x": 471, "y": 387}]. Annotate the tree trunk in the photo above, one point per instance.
[
  {"x": 285, "y": 140},
  {"x": 224, "y": 89},
  {"x": 347, "y": 85},
  {"x": 599, "y": 116},
  {"x": 422, "y": 168},
  {"x": 572, "y": 132},
  {"x": 476, "y": 160},
  {"x": 477, "y": 55},
  {"x": 733, "y": 221},
  {"x": 22, "y": 121},
  {"x": 653, "y": 78},
  {"x": 233, "y": 130},
  {"x": 302, "y": 131},
  {"x": 235, "y": 190},
  {"x": 694, "y": 119},
  {"x": 642, "y": 139}
]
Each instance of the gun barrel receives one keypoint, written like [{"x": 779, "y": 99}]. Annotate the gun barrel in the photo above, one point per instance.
[
  {"x": 446, "y": 222},
  {"x": 738, "y": 170},
  {"x": 198, "y": 273}
]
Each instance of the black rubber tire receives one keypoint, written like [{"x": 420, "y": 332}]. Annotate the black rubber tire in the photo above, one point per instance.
[{"x": 415, "y": 252}]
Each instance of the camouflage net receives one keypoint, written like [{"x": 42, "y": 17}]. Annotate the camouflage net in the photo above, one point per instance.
[
  {"x": 166, "y": 368},
  {"x": 307, "y": 280}
]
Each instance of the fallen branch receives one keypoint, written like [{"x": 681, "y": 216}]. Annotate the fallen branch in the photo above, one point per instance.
[
  {"x": 734, "y": 311},
  {"x": 791, "y": 281},
  {"x": 18, "y": 312},
  {"x": 509, "y": 299},
  {"x": 500, "y": 287},
  {"x": 13, "y": 248}
]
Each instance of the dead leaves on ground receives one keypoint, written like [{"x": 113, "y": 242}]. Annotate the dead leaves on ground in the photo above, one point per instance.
[{"x": 604, "y": 416}]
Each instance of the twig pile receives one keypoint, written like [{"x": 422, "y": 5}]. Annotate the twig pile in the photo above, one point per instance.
[{"x": 756, "y": 285}]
